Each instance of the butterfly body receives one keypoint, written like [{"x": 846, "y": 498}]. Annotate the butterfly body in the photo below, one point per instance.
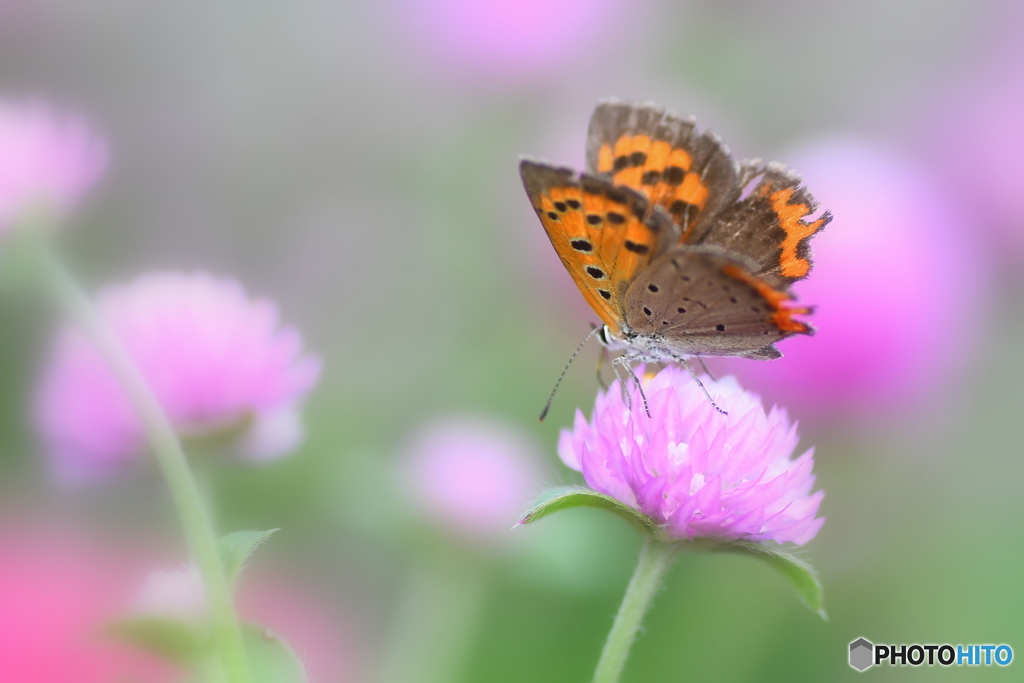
[{"x": 681, "y": 250}]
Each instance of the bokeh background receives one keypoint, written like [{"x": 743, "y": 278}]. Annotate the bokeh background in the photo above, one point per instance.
[{"x": 357, "y": 162}]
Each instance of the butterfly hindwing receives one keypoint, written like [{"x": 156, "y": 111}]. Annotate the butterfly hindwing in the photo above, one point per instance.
[
  {"x": 704, "y": 301},
  {"x": 660, "y": 154},
  {"x": 769, "y": 225},
  {"x": 604, "y": 234}
]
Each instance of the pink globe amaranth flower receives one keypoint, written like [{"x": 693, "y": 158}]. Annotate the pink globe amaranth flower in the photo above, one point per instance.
[
  {"x": 278, "y": 603},
  {"x": 898, "y": 290},
  {"x": 699, "y": 473},
  {"x": 174, "y": 594},
  {"x": 58, "y": 590},
  {"x": 470, "y": 475},
  {"x": 47, "y": 160},
  {"x": 218, "y": 361},
  {"x": 975, "y": 125},
  {"x": 511, "y": 40}
]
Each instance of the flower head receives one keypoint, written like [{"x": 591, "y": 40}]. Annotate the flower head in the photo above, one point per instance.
[
  {"x": 47, "y": 160},
  {"x": 173, "y": 593},
  {"x": 509, "y": 40},
  {"x": 695, "y": 471},
  {"x": 470, "y": 474},
  {"x": 59, "y": 588},
  {"x": 218, "y": 361}
]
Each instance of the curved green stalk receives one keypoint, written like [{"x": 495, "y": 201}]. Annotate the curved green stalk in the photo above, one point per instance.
[
  {"x": 655, "y": 559},
  {"x": 170, "y": 457}
]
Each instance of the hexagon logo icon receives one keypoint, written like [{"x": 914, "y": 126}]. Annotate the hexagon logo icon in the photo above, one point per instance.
[{"x": 861, "y": 654}]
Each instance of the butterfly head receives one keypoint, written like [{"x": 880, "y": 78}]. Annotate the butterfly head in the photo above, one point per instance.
[{"x": 625, "y": 341}]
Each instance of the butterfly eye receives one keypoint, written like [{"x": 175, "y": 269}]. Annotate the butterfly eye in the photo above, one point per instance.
[{"x": 604, "y": 335}]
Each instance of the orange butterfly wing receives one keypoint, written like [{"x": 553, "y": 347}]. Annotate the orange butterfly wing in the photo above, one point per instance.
[
  {"x": 661, "y": 155},
  {"x": 693, "y": 176},
  {"x": 603, "y": 233}
]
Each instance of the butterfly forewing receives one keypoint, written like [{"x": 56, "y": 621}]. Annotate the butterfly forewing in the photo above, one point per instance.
[
  {"x": 604, "y": 234},
  {"x": 769, "y": 226},
  {"x": 704, "y": 301},
  {"x": 661, "y": 154}
]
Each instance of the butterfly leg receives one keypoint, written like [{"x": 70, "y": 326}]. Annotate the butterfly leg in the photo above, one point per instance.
[
  {"x": 700, "y": 384},
  {"x": 625, "y": 362},
  {"x": 622, "y": 383},
  {"x": 704, "y": 366}
]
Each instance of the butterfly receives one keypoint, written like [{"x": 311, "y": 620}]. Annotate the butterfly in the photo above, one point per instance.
[{"x": 681, "y": 250}]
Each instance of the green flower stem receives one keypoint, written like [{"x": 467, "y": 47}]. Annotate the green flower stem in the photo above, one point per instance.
[
  {"x": 437, "y": 619},
  {"x": 169, "y": 454},
  {"x": 655, "y": 559}
]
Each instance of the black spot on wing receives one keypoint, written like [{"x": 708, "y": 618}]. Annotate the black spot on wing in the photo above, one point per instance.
[{"x": 674, "y": 175}]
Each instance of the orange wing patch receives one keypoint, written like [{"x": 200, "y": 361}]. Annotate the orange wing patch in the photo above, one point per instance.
[
  {"x": 663, "y": 174},
  {"x": 783, "y": 315},
  {"x": 791, "y": 220},
  {"x": 768, "y": 227},
  {"x": 599, "y": 231}
]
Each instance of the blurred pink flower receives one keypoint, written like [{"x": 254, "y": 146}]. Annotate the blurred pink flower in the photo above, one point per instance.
[
  {"x": 57, "y": 593},
  {"x": 510, "y": 39},
  {"x": 47, "y": 160},
  {"x": 470, "y": 475},
  {"x": 296, "y": 616},
  {"x": 172, "y": 593},
  {"x": 975, "y": 128},
  {"x": 217, "y": 360},
  {"x": 897, "y": 288},
  {"x": 694, "y": 470}
]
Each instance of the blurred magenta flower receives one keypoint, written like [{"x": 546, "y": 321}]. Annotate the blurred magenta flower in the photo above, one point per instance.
[
  {"x": 694, "y": 470},
  {"x": 470, "y": 475},
  {"x": 47, "y": 160},
  {"x": 295, "y": 615},
  {"x": 219, "y": 362},
  {"x": 58, "y": 591},
  {"x": 897, "y": 288},
  {"x": 510, "y": 39},
  {"x": 173, "y": 593},
  {"x": 975, "y": 125}
]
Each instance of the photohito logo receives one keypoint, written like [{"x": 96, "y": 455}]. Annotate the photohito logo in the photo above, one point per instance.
[{"x": 865, "y": 654}]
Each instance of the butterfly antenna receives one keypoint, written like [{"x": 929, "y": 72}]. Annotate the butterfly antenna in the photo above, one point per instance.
[
  {"x": 700, "y": 384},
  {"x": 547, "y": 406},
  {"x": 704, "y": 366}
]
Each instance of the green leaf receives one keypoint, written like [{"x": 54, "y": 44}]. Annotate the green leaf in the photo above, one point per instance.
[
  {"x": 800, "y": 574},
  {"x": 270, "y": 658},
  {"x": 564, "y": 498},
  {"x": 236, "y": 548},
  {"x": 170, "y": 639}
]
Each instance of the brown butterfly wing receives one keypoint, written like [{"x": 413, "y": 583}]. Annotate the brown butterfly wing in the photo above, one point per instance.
[
  {"x": 705, "y": 301},
  {"x": 604, "y": 234},
  {"x": 661, "y": 154},
  {"x": 769, "y": 225}
]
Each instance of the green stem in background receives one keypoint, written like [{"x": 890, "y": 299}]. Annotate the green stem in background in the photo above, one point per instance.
[
  {"x": 655, "y": 559},
  {"x": 169, "y": 454},
  {"x": 437, "y": 619}
]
